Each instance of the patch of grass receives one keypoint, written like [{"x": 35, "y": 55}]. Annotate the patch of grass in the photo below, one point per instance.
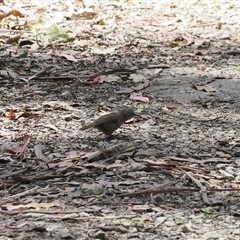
[{"x": 56, "y": 31}]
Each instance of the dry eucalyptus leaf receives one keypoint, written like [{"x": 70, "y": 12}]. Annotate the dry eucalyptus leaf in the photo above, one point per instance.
[{"x": 206, "y": 88}]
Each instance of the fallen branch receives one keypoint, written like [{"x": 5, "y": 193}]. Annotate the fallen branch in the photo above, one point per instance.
[
  {"x": 104, "y": 72},
  {"x": 18, "y": 195},
  {"x": 170, "y": 190},
  {"x": 203, "y": 189},
  {"x": 192, "y": 160}
]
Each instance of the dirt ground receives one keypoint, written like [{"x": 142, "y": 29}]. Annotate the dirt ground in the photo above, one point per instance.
[{"x": 171, "y": 172}]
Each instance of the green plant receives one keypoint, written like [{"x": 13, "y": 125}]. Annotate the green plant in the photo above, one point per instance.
[{"x": 55, "y": 31}]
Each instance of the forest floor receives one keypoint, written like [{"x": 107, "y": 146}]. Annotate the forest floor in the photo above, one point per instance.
[{"x": 171, "y": 172}]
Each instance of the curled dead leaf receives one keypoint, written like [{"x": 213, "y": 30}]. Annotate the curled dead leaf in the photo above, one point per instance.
[
  {"x": 32, "y": 205},
  {"x": 139, "y": 97},
  {"x": 167, "y": 108},
  {"x": 91, "y": 83},
  {"x": 142, "y": 85},
  {"x": 14, "y": 150},
  {"x": 69, "y": 57},
  {"x": 11, "y": 114},
  {"x": 88, "y": 15},
  {"x": 206, "y": 88},
  {"x": 16, "y": 13},
  {"x": 201, "y": 68}
]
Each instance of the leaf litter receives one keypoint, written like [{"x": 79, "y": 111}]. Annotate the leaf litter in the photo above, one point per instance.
[{"x": 170, "y": 173}]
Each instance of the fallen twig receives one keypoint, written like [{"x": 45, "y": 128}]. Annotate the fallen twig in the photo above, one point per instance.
[
  {"x": 192, "y": 160},
  {"x": 104, "y": 72},
  {"x": 26, "y": 142},
  {"x": 203, "y": 189},
  {"x": 176, "y": 190}
]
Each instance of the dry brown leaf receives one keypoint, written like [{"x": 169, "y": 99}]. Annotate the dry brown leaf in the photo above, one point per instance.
[
  {"x": 73, "y": 154},
  {"x": 201, "y": 68},
  {"x": 13, "y": 75},
  {"x": 8, "y": 73},
  {"x": 109, "y": 78},
  {"x": 57, "y": 105},
  {"x": 201, "y": 52},
  {"x": 4, "y": 73},
  {"x": 14, "y": 150},
  {"x": 103, "y": 51},
  {"x": 16, "y": 13},
  {"x": 127, "y": 183},
  {"x": 137, "y": 77},
  {"x": 91, "y": 83},
  {"x": 51, "y": 126},
  {"x": 34, "y": 205},
  {"x": 88, "y": 15},
  {"x": 142, "y": 85},
  {"x": 116, "y": 165},
  {"x": 9, "y": 145},
  {"x": 139, "y": 97},
  {"x": 219, "y": 25},
  {"x": 167, "y": 108},
  {"x": 149, "y": 152},
  {"x": 69, "y": 57},
  {"x": 11, "y": 114},
  {"x": 125, "y": 90},
  {"x": 206, "y": 88},
  {"x": 95, "y": 165},
  {"x": 13, "y": 40}
]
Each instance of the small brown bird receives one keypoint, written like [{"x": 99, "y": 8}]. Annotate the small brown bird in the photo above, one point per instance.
[{"x": 110, "y": 122}]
